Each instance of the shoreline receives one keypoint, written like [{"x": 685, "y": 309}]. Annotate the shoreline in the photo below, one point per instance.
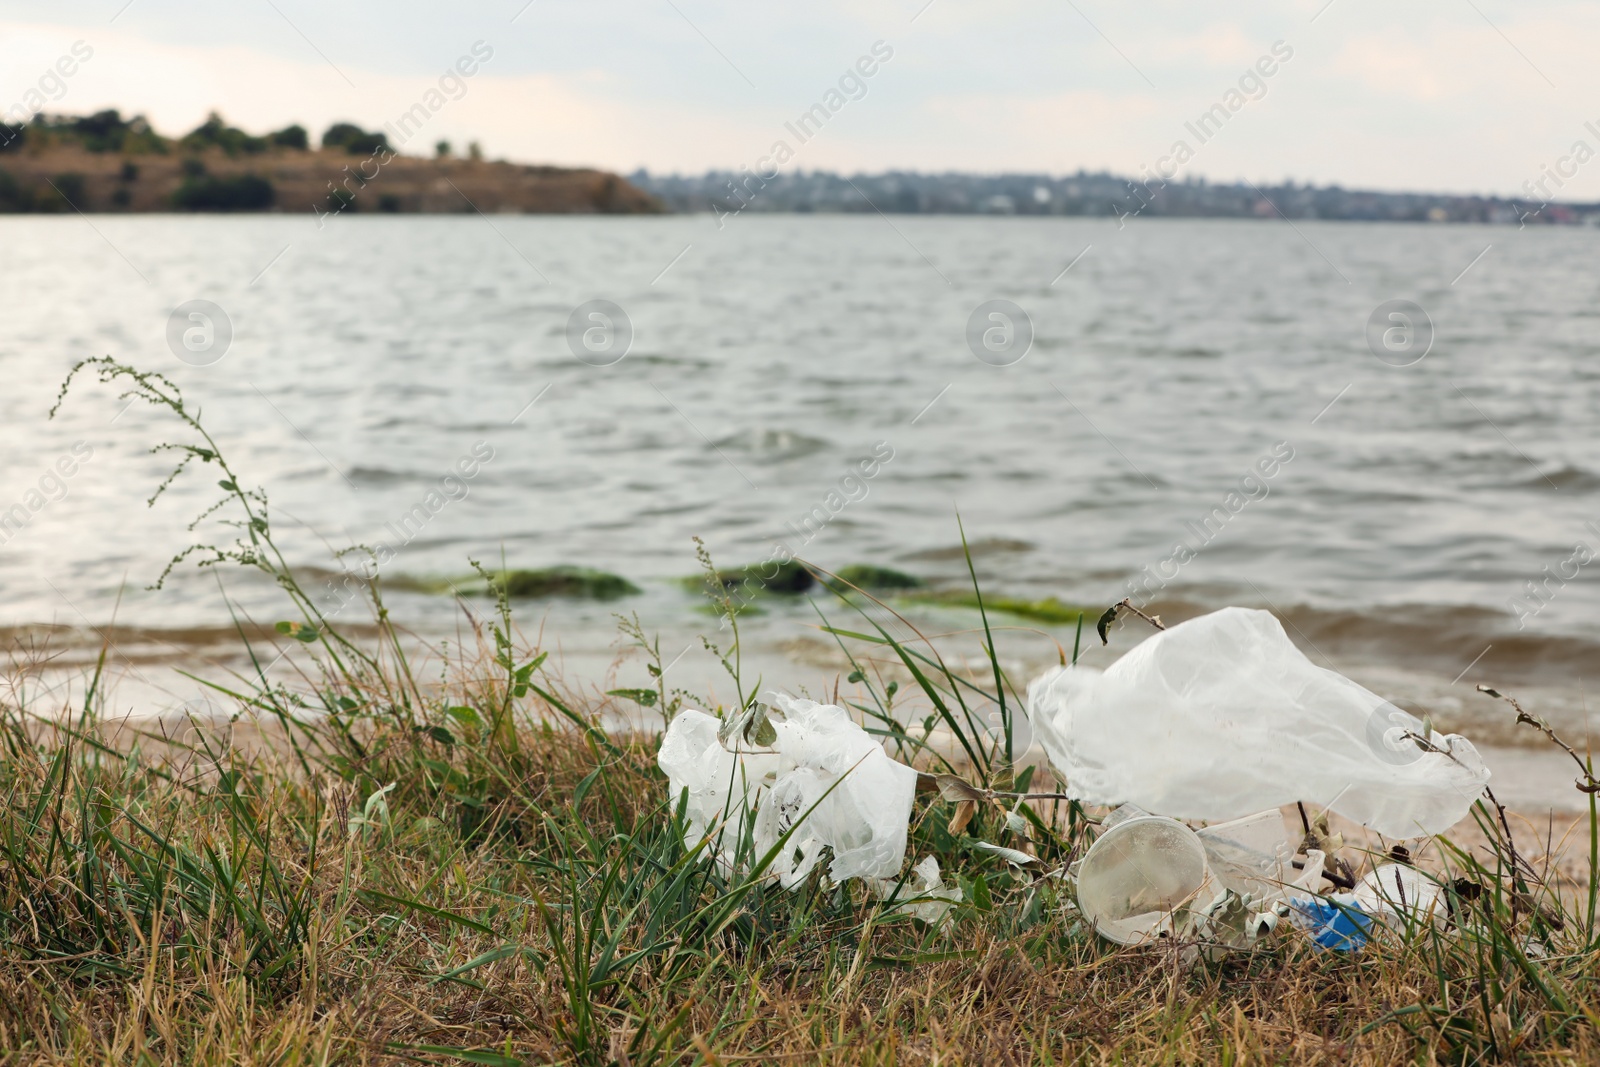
[
  {"x": 146, "y": 683},
  {"x": 1416, "y": 658},
  {"x": 324, "y": 183}
]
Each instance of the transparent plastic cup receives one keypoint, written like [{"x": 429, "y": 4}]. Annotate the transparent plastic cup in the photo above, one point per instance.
[
  {"x": 1251, "y": 856},
  {"x": 1138, "y": 875}
]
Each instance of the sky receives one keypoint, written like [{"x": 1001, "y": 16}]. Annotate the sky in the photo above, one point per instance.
[{"x": 1468, "y": 96}]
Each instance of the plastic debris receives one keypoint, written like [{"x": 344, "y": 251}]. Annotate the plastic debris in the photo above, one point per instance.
[
  {"x": 1145, "y": 877},
  {"x": 1222, "y": 716},
  {"x": 1252, "y": 856},
  {"x": 784, "y": 763},
  {"x": 1335, "y": 922},
  {"x": 1223, "y": 887},
  {"x": 1390, "y": 896},
  {"x": 1231, "y": 923},
  {"x": 1150, "y": 876},
  {"x": 923, "y": 894},
  {"x": 1397, "y": 893}
]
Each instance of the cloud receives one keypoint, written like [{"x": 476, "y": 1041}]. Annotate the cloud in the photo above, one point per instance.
[{"x": 575, "y": 118}]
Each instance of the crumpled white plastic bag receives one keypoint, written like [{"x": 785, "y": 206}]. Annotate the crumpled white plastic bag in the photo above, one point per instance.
[
  {"x": 1221, "y": 716},
  {"x": 922, "y": 895},
  {"x": 767, "y": 789}
]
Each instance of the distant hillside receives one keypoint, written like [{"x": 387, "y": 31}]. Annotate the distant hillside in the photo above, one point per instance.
[
  {"x": 103, "y": 163},
  {"x": 1085, "y": 194}
]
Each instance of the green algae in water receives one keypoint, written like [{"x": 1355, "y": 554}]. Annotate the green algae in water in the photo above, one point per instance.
[
  {"x": 790, "y": 578},
  {"x": 563, "y": 581},
  {"x": 1050, "y": 609},
  {"x": 872, "y": 576}
]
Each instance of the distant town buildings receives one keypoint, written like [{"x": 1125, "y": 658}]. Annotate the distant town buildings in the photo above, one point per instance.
[{"x": 1103, "y": 194}]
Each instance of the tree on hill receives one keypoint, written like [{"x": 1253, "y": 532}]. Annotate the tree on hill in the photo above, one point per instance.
[
  {"x": 104, "y": 131},
  {"x": 291, "y": 137},
  {"x": 215, "y": 132},
  {"x": 354, "y": 139}
]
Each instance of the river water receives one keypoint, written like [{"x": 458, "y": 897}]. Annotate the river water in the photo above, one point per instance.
[{"x": 1171, "y": 364}]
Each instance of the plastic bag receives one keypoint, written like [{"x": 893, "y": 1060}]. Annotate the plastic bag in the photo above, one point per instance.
[
  {"x": 820, "y": 762},
  {"x": 1398, "y": 894},
  {"x": 1222, "y": 716},
  {"x": 922, "y": 894}
]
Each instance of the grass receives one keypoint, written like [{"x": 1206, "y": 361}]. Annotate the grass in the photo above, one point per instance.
[{"x": 363, "y": 867}]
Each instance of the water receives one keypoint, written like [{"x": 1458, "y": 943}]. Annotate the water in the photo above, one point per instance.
[{"x": 370, "y": 356}]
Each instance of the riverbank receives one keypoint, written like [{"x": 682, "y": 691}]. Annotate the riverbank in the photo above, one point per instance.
[
  {"x": 404, "y": 881},
  {"x": 148, "y": 672}
]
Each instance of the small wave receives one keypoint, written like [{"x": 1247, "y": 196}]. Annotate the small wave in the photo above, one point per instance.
[
  {"x": 772, "y": 444},
  {"x": 384, "y": 476},
  {"x": 1455, "y": 641},
  {"x": 988, "y": 546},
  {"x": 56, "y": 643},
  {"x": 657, "y": 360},
  {"x": 1565, "y": 477}
]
